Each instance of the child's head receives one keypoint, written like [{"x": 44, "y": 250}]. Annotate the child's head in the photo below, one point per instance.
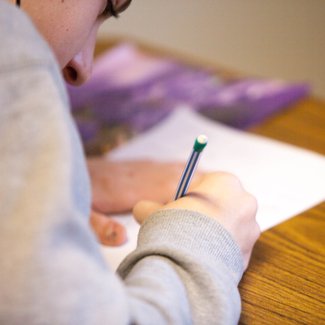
[{"x": 70, "y": 27}]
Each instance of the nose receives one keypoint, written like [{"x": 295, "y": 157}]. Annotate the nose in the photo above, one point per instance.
[{"x": 79, "y": 68}]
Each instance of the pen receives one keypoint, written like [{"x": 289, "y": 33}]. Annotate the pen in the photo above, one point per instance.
[{"x": 199, "y": 144}]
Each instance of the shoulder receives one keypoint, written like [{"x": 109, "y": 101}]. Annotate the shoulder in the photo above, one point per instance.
[
  {"x": 26, "y": 61},
  {"x": 21, "y": 44}
]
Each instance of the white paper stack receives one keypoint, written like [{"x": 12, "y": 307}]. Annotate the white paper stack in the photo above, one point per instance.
[{"x": 286, "y": 180}]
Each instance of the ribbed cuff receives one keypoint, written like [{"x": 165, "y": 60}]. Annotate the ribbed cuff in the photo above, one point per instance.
[{"x": 188, "y": 231}]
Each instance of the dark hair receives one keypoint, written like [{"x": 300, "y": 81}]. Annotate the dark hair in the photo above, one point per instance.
[{"x": 18, "y": 3}]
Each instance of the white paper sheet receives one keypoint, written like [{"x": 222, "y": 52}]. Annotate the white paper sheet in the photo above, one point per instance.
[{"x": 286, "y": 180}]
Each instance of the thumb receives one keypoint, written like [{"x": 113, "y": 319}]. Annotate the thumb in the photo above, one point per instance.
[{"x": 143, "y": 209}]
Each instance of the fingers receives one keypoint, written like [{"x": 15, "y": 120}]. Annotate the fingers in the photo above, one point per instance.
[
  {"x": 143, "y": 209},
  {"x": 218, "y": 183},
  {"x": 222, "y": 196},
  {"x": 108, "y": 231}
]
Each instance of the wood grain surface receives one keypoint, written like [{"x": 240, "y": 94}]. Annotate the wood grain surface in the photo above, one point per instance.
[{"x": 286, "y": 278}]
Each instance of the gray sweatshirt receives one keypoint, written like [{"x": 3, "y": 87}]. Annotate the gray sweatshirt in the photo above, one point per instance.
[{"x": 186, "y": 266}]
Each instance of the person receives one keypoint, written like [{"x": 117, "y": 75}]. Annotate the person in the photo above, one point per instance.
[{"x": 191, "y": 253}]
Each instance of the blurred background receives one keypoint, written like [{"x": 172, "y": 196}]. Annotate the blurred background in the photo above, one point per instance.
[{"x": 278, "y": 39}]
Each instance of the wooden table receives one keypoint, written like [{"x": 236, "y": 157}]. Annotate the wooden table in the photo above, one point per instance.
[
  {"x": 286, "y": 278},
  {"x": 285, "y": 283}
]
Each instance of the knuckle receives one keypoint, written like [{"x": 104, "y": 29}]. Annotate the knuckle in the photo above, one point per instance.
[
  {"x": 249, "y": 208},
  {"x": 257, "y": 230},
  {"x": 226, "y": 177},
  {"x": 256, "y": 234},
  {"x": 252, "y": 202}
]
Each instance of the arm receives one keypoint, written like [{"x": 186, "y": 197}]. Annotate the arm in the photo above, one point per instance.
[
  {"x": 201, "y": 246},
  {"x": 51, "y": 267}
]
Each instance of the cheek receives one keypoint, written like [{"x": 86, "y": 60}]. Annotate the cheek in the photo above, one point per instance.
[
  {"x": 70, "y": 40},
  {"x": 67, "y": 28}
]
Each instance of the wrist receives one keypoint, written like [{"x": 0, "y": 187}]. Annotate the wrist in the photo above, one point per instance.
[
  {"x": 195, "y": 201},
  {"x": 189, "y": 230}
]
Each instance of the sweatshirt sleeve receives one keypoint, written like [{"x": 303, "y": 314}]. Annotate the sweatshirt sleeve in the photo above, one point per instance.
[{"x": 186, "y": 269}]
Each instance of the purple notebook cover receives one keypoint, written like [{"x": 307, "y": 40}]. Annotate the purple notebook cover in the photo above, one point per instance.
[{"x": 134, "y": 91}]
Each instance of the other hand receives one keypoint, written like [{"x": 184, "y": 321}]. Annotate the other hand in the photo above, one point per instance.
[
  {"x": 118, "y": 185},
  {"x": 108, "y": 231}
]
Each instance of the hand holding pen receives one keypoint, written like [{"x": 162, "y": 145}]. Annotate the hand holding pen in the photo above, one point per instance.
[{"x": 218, "y": 195}]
